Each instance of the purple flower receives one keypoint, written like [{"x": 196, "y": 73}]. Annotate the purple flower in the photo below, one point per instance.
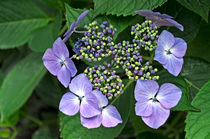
[
  {"x": 154, "y": 103},
  {"x": 74, "y": 25},
  {"x": 159, "y": 19},
  {"x": 58, "y": 63},
  {"x": 108, "y": 117},
  {"x": 80, "y": 98},
  {"x": 170, "y": 52}
]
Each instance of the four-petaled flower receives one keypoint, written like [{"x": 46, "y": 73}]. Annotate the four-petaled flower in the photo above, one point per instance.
[
  {"x": 80, "y": 98},
  {"x": 109, "y": 116},
  {"x": 58, "y": 63},
  {"x": 74, "y": 25},
  {"x": 159, "y": 19},
  {"x": 154, "y": 103},
  {"x": 170, "y": 52}
]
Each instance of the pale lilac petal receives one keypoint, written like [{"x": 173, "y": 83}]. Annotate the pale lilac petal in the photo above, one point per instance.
[
  {"x": 149, "y": 13},
  {"x": 169, "y": 95},
  {"x": 64, "y": 76},
  {"x": 60, "y": 49},
  {"x": 166, "y": 40},
  {"x": 89, "y": 106},
  {"x": 81, "y": 17},
  {"x": 110, "y": 116},
  {"x": 158, "y": 117},
  {"x": 160, "y": 55},
  {"x": 171, "y": 22},
  {"x": 143, "y": 108},
  {"x": 102, "y": 100},
  {"x": 71, "y": 29},
  {"x": 93, "y": 122},
  {"x": 69, "y": 104},
  {"x": 145, "y": 90},
  {"x": 179, "y": 48},
  {"x": 51, "y": 62},
  {"x": 80, "y": 85},
  {"x": 71, "y": 67},
  {"x": 174, "y": 65}
]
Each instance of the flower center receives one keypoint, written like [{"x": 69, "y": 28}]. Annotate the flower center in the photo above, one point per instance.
[
  {"x": 168, "y": 52},
  {"x": 62, "y": 63},
  {"x": 154, "y": 99}
]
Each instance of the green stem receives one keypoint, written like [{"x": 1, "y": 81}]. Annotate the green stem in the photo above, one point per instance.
[
  {"x": 121, "y": 93},
  {"x": 65, "y": 27},
  {"x": 151, "y": 57},
  {"x": 15, "y": 132},
  {"x": 33, "y": 119},
  {"x": 191, "y": 84}
]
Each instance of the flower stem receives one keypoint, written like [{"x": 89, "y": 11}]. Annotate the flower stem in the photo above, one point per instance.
[
  {"x": 191, "y": 84},
  {"x": 33, "y": 119},
  {"x": 63, "y": 30}
]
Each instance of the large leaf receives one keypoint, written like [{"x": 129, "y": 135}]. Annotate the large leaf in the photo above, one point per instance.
[
  {"x": 196, "y": 73},
  {"x": 184, "y": 103},
  {"x": 198, "y": 123},
  {"x": 19, "y": 84},
  {"x": 124, "y": 7},
  {"x": 200, "y": 7},
  {"x": 42, "y": 133},
  {"x": 17, "y": 20},
  {"x": 71, "y": 127}
]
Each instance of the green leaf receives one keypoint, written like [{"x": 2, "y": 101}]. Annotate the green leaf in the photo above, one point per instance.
[
  {"x": 44, "y": 37},
  {"x": 17, "y": 20},
  {"x": 124, "y": 7},
  {"x": 184, "y": 103},
  {"x": 20, "y": 83},
  {"x": 10, "y": 121},
  {"x": 200, "y": 7},
  {"x": 1, "y": 77},
  {"x": 42, "y": 133},
  {"x": 196, "y": 73},
  {"x": 5, "y": 133},
  {"x": 198, "y": 123},
  {"x": 71, "y": 127}
]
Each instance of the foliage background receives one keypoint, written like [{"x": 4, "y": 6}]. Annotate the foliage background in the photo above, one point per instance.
[{"x": 29, "y": 95}]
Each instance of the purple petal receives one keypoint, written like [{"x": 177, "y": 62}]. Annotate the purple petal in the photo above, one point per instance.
[
  {"x": 60, "y": 49},
  {"x": 171, "y": 22},
  {"x": 179, "y": 47},
  {"x": 149, "y": 13},
  {"x": 169, "y": 95},
  {"x": 89, "y": 106},
  {"x": 143, "y": 108},
  {"x": 64, "y": 76},
  {"x": 93, "y": 122},
  {"x": 80, "y": 85},
  {"x": 81, "y": 17},
  {"x": 110, "y": 116},
  {"x": 71, "y": 67},
  {"x": 69, "y": 32},
  {"x": 69, "y": 104},
  {"x": 160, "y": 55},
  {"x": 51, "y": 62},
  {"x": 166, "y": 40},
  {"x": 174, "y": 65},
  {"x": 145, "y": 90},
  {"x": 158, "y": 117},
  {"x": 102, "y": 100}
]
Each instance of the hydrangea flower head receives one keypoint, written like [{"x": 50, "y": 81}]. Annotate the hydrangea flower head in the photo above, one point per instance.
[
  {"x": 109, "y": 116},
  {"x": 58, "y": 63},
  {"x": 170, "y": 52},
  {"x": 80, "y": 98},
  {"x": 154, "y": 103},
  {"x": 159, "y": 19},
  {"x": 74, "y": 25}
]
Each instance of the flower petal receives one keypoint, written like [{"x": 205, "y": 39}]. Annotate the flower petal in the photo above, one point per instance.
[
  {"x": 110, "y": 116},
  {"x": 60, "y": 49},
  {"x": 169, "y": 95},
  {"x": 143, "y": 108},
  {"x": 102, "y": 100},
  {"x": 145, "y": 90},
  {"x": 71, "y": 67},
  {"x": 89, "y": 106},
  {"x": 174, "y": 65},
  {"x": 179, "y": 48},
  {"x": 93, "y": 122},
  {"x": 64, "y": 76},
  {"x": 158, "y": 117},
  {"x": 171, "y": 22},
  {"x": 149, "y": 13},
  {"x": 166, "y": 40},
  {"x": 69, "y": 104},
  {"x": 81, "y": 17},
  {"x": 160, "y": 55},
  {"x": 80, "y": 85},
  {"x": 51, "y": 62},
  {"x": 69, "y": 32}
]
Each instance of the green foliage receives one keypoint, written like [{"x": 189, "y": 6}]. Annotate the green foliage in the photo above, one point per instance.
[
  {"x": 10, "y": 121},
  {"x": 20, "y": 83},
  {"x": 5, "y": 133},
  {"x": 198, "y": 123},
  {"x": 200, "y": 7},
  {"x": 42, "y": 133},
  {"x": 124, "y": 7},
  {"x": 17, "y": 20},
  {"x": 71, "y": 127}
]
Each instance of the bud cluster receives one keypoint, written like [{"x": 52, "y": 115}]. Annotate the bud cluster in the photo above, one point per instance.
[
  {"x": 105, "y": 80},
  {"x": 145, "y": 35}
]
